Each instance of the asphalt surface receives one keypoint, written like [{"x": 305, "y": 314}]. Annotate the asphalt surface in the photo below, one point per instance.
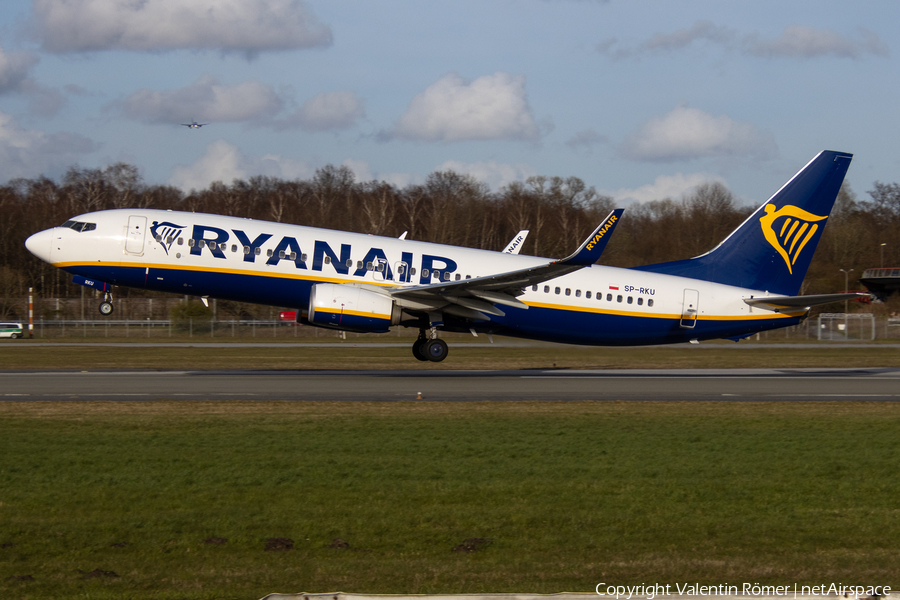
[{"x": 732, "y": 385}]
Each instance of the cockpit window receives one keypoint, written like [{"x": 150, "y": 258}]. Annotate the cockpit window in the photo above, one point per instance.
[{"x": 80, "y": 225}]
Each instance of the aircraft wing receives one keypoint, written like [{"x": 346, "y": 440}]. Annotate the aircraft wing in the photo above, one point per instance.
[
  {"x": 778, "y": 302},
  {"x": 476, "y": 298}
]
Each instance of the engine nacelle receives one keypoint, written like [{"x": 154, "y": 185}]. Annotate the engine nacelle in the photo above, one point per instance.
[{"x": 351, "y": 309}]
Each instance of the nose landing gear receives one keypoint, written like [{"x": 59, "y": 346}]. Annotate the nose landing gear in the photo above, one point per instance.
[{"x": 106, "y": 307}]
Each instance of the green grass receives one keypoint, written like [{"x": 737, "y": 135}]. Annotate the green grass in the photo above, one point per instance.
[{"x": 571, "y": 494}]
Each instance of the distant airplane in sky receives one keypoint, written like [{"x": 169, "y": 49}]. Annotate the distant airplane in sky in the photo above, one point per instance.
[
  {"x": 355, "y": 282},
  {"x": 194, "y": 125}
]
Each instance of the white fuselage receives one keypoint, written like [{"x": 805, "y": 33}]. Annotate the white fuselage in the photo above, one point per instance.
[{"x": 277, "y": 264}]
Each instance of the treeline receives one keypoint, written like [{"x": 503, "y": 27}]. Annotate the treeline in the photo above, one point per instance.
[{"x": 450, "y": 208}]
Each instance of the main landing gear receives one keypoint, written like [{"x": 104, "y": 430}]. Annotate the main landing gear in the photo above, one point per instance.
[
  {"x": 432, "y": 349},
  {"x": 106, "y": 307}
]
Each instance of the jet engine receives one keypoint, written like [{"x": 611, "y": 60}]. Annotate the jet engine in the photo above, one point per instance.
[{"x": 351, "y": 308}]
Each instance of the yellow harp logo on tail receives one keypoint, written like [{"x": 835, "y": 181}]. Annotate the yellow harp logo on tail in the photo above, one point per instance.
[{"x": 789, "y": 235}]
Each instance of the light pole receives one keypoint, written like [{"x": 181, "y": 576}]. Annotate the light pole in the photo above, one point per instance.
[
  {"x": 846, "y": 285},
  {"x": 882, "y": 254}
]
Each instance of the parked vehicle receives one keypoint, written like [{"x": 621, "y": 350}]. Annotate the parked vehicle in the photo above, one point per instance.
[{"x": 10, "y": 330}]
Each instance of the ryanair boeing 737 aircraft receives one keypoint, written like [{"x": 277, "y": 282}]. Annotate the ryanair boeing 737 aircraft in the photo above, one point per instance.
[{"x": 356, "y": 282}]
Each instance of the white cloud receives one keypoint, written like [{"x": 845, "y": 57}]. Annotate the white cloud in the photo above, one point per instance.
[
  {"x": 700, "y": 31},
  {"x": 225, "y": 162},
  {"x": 586, "y": 140},
  {"x": 29, "y": 153},
  {"x": 453, "y": 109},
  {"x": 494, "y": 174},
  {"x": 664, "y": 186},
  {"x": 688, "y": 133},
  {"x": 807, "y": 42},
  {"x": 327, "y": 111},
  {"x": 204, "y": 100},
  {"x": 14, "y": 69},
  {"x": 248, "y": 26},
  {"x": 796, "y": 41}
]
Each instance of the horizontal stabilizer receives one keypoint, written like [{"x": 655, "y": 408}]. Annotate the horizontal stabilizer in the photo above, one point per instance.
[{"x": 776, "y": 302}]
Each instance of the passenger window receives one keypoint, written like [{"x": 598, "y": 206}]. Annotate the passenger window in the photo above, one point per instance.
[
  {"x": 400, "y": 270},
  {"x": 618, "y": 298},
  {"x": 587, "y": 295},
  {"x": 578, "y": 293},
  {"x": 381, "y": 267},
  {"x": 458, "y": 277},
  {"x": 650, "y": 302},
  {"x": 534, "y": 288},
  {"x": 293, "y": 256},
  {"x": 446, "y": 275},
  {"x": 568, "y": 291},
  {"x": 640, "y": 301},
  {"x": 425, "y": 273},
  {"x": 630, "y": 300},
  {"x": 281, "y": 254},
  {"x": 234, "y": 247},
  {"x": 180, "y": 241},
  {"x": 546, "y": 289},
  {"x": 327, "y": 260},
  {"x": 258, "y": 251},
  {"x": 359, "y": 264},
  {"x": 212, "y": 246},
  {"x": 609, "y": 297},
  {"x": 303, "y": 257},
  {"x": 269, "y": 253},
  {"x": 557, "y": 290},
  {"x": 191, "y": 243},
  {"x": 412, "y": 271},
  {"x": 370, "y": 266}
]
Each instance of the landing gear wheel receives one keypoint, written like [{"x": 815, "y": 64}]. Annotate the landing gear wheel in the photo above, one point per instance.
[
  {"x": 418, "y": 351},
  {"x": 436, "y": 350},
  {"x": 106, "y": 308}
]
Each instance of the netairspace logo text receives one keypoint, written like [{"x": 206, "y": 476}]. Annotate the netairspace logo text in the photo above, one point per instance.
[{"x": 651, "y": 591}]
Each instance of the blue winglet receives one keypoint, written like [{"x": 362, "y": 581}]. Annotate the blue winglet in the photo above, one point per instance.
[{"x": 593, "y": 246}]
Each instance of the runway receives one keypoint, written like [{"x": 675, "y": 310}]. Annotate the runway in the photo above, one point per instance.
[{"x": 731, "y": 385}]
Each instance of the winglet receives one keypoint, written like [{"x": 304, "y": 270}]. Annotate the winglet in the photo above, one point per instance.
[
  {"x": 516, "y": 244},
  {"x": 593, "y": 246}
]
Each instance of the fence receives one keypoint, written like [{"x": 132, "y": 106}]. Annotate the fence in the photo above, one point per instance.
[
  {"x": 831, "y": 327},
  {"x": 148, "y": 318},
  {"x": 191, "y": 328}
]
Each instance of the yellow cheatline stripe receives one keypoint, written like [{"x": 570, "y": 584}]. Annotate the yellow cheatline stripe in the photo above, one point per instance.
[
  {"x": 669, "y": 316},
  {"x": 201, "y": 269},
  {"x": 322, "y": 279},
  {"x": 355, "y": 313}
]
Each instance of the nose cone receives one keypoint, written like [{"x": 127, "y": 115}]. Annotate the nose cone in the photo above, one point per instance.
[{"x": 40, "y": 243}]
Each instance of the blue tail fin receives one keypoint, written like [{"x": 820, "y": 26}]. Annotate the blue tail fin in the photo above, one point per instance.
[{"x": 772, "y": 249}]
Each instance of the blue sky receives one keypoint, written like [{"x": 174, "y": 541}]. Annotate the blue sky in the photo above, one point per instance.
[{"x": 642, "y": 100}]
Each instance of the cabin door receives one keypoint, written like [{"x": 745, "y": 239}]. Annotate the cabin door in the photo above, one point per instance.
[
  {"x": 690, "y": 309},
  {"x": 134, "y": 238}
]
